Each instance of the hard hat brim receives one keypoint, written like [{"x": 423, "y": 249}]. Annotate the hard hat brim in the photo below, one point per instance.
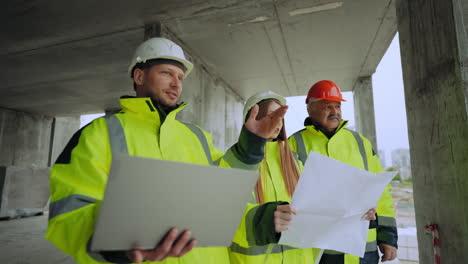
[
  {"x": 330, "y": 98},
  {"x": 187, "y": 64},
  {"x": 334, "y": 99},
  {"x": 260, "y": 97}
]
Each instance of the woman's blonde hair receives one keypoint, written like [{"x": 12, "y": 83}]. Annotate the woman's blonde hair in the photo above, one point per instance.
[{"x": 288, "y": 166}]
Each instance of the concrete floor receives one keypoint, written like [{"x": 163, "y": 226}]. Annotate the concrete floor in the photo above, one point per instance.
[{"x": 22, "y": 242}]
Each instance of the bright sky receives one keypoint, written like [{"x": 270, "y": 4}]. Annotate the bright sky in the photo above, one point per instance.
[
  {"x": 85, "y": 119},
  {"x": 389, "y": 103}
]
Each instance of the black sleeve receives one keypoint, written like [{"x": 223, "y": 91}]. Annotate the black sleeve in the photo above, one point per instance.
[
  {"x": 250, "y": 148},
  {"x": 264, "y": 226},
  {"x": 118, "y": 257}
]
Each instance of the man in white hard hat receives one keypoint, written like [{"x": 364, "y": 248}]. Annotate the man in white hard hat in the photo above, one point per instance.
[{"x": 145, "y": 127}]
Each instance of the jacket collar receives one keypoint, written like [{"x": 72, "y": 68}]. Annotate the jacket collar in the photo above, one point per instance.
[
  {"x": 311, "y": 124},
  {"x": 145, "y": 107}
]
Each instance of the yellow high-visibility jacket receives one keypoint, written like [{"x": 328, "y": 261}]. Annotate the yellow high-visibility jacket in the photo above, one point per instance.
[
  {"x": 351, "y": 148},
  {"x": 79, "y": 176},
  {"x": 251, "y": 244}
]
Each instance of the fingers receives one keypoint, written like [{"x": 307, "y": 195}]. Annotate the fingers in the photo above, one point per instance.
[
  {"x": 282, "y": 222},
  {"x": 279, "y": 113},
  {"x": 393, "y": 255},
  {"x": 385, "y": 257},
  {"x": 267, "y": 127},
  {"x": 162, "y": 251},
  {"x": 275, "y": 120},
  {"x": 253, "y": 113},
  {"x": 389, "y": 252},
  {"x": 187, "y": 248},
  {"x": 280, "y": 228},
  {"x": 286, "y": 208},
  {"x": 283, "y": 217},
  {"x": 370, "y": 215},
  {"x": 173, "y": 245},
  {"x": 181, "y": 242},
  {"x": 136, "y": 256},
  {"x": 384, "y": 253}
]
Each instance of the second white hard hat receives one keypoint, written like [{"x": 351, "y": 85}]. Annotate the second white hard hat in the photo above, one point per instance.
[
  {"x": 258, "y": 97},
  {"x": 159, "y": 48}
]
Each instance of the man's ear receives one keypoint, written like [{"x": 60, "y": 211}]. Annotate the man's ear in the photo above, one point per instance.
[
  {"x": 138, "y": 76},
  {"x": 309, "y": 110}
]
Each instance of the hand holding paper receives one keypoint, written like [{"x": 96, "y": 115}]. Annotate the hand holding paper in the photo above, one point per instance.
[
  {"x": 283, "y": 216},
  {"x": 370, "y": 215},
  {"x": 331, "y": 197}
]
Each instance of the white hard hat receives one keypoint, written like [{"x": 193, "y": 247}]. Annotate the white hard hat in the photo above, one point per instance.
[
  {"x": 159, "y": 48},
  {"x": 258, "y": 97}
]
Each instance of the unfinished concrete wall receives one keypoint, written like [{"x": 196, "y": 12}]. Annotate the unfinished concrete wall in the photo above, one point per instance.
[
  {"x": 63, "y": 130},
  {"x": 212, "y": 105},
  {"x": 23, "y": 190},
  {"x": 24, "y": 139},
  {"x": 364, "y": 112},
  {"x": 233, "y": 116},
  {"x": 31, "y": 140},
  {"x": 460, "y": 11},
  {"x": 435, "y": 92},
  {"x": 214, "y": 110},
  {"x": 28, "y": 143}
]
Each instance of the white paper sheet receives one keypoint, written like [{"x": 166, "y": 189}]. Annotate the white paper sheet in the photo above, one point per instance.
[{"x": 331, "y": 197}]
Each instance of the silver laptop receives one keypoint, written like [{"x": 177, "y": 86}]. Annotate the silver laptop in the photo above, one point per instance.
[{"x": 144, "y": 198}]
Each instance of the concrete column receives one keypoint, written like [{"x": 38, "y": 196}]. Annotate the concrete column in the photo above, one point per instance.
[
  {"x": 364, "y": 109},
  {"x": 63, "y": 130},
  {"x": 153, "y": 30},
  {"x": 24, "y": 138},
  {"x": 460, "y": 9},
  {"x": 234, "y": 121},
  {"x": 433, "y": 58},
  {"x": 29, "y": 144}
]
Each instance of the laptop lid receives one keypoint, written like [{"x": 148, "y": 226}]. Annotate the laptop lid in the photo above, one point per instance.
[{"x": 144, "y": 198}]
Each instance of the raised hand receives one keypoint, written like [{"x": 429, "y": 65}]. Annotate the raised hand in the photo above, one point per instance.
[{"x": 268, "y": 126}]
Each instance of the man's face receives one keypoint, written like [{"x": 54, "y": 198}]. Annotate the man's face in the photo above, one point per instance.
[
  {"x": 326, "y": 113},
  {"x": 162, "y": 82}
]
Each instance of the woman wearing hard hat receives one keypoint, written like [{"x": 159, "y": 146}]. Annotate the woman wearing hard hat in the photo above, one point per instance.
[
  {"x": 259, "y": 231},
  {"x": 279, "y": 174}
]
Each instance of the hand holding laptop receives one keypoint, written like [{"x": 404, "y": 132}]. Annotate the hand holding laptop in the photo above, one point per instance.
[{"x": 175, "y": 244}]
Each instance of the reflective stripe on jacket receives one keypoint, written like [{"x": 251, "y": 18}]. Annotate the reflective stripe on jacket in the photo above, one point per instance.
[
  {"x": 244, "y": 249},
  {"x": 79, "y": 176},
  {"x": 348, "y": 146}
]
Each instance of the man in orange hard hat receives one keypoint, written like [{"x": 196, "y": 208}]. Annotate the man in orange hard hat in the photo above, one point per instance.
[{"x": 325, "y": 133}]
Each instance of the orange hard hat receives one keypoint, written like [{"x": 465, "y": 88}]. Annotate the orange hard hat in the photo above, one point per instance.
[{"x": 326, "y": 90}]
